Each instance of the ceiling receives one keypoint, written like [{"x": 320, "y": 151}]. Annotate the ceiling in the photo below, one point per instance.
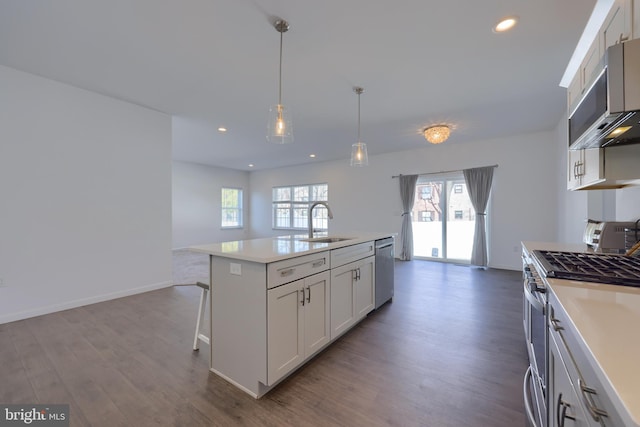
[{"x": 212, "y": 63}]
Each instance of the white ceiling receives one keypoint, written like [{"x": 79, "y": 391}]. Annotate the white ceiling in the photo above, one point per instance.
[{"x": 214, "y": 63}]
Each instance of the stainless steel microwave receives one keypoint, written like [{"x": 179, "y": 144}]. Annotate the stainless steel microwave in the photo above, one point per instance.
[{"x": 609, "y": 111}]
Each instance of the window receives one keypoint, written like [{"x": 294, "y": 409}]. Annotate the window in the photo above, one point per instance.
[
  {"x": 291, "y": 205},
  {"x": 457, "y": 188},
  {"x": 457, "y": 214},
  {"x": 231, "y": 208},
  {"x": 426, "y": 216},
  {"x": 425, "y": 192}
]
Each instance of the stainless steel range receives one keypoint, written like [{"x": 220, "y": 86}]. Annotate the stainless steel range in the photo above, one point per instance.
[{"x": 588, "y": 267}]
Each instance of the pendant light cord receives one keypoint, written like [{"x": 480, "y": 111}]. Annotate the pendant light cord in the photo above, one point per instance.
[
  {"x": 359, "y": 117},
  {"x": 280, "y": 77}
]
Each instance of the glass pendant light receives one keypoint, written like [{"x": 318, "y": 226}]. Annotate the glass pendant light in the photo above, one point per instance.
[
  {"x": 280, "y": 128},
  {"x": 359, "y": 155}
]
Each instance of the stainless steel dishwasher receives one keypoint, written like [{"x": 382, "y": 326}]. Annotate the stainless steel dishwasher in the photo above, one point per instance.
[{"x": 384, "y": 270}]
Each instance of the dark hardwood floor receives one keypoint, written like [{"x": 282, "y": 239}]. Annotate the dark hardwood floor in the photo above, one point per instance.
[{"x": 448, "y": 351}]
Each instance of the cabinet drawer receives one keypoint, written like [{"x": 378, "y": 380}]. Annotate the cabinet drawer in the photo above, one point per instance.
[
  {"x": 351, "y": 253},
  {"x": 288, "y": 270}
]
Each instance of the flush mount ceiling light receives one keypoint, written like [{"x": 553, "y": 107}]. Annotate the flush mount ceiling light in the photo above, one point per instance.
[
  {"x": 505, "y": 24},
  {"x": 280, "y": 128},
  {"x": 437, "y": 134},
  {"x": 359, "y": 155}
]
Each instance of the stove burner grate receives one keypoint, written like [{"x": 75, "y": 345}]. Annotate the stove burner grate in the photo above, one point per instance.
[{"x": 601, "y": 268}]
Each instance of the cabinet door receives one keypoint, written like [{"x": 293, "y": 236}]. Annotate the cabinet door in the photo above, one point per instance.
[
  {"x": 317, "y": 326},
  {"x": 593, "y": 165},
  {"x": 617, "y": 25},
  {"x": 285, "y": 329},
  {"x": 590, "y": 65},
  {"x": 364, "y": 287},
  {"x": 564, "y": 407},
  {"x": 342, "y": 303},
  {"x": 574, "y": 168}
]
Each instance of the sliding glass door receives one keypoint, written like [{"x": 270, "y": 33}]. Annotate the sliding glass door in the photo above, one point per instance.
[{"x": 443, "y": 218}]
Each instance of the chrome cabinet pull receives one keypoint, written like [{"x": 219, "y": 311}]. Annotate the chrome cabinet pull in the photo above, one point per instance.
[
  {"x": 587, "y": 392},
  {"x": 554, "y": 324},
  {"x": 302, "y": 300},
  {"x": 560, "y": 417},
  {"x": 288, "y": 272},
  {"x": 318, "y": 263},
  {"x": 309, "y": 295}
]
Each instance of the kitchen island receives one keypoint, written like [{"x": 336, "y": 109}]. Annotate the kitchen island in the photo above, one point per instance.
[
  {"x": 593, "y": 372},
  {"x": 277, "y": 302}
]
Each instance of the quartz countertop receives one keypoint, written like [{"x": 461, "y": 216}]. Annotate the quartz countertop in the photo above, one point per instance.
[
  {"x": 274, "y": 249},
  {"x": 606, "y": 317}
]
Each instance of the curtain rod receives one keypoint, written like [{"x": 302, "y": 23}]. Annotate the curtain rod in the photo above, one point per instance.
[{"x": 456, "y": 170}]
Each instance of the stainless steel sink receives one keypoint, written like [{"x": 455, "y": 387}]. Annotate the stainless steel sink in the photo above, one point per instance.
[{"x": 326, "y": 239}]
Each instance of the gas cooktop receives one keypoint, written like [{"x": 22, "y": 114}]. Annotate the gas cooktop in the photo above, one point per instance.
[{"x": 588, "y": 267}]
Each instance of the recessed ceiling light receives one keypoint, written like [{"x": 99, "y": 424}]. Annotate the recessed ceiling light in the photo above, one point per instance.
[
  {"x": 505, "y": 24},
  {"x": 250, "y": 165},
  {"x": 222, "y": 129},
  {"x": 312, "y": 156}
]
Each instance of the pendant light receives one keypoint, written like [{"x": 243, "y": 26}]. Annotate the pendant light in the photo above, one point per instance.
[
  {"x": 280, "y": 128},
  {"x": 359, "y": 155}
]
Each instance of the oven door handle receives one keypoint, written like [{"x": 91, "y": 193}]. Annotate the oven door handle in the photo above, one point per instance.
[
  {"x": 535, "y": 303},
  {"x": 527, "y": 397}
]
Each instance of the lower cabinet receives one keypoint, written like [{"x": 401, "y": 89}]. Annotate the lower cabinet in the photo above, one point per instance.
[
  {"x": 297, "y": 323},
  {"x": 352, "y": 294},
  {"x": 564, "y": 408}
]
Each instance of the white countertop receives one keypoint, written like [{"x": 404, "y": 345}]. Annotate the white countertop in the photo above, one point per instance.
[
  {"x": 607, "y": 318},
  {"x": 273, "y": 249}
]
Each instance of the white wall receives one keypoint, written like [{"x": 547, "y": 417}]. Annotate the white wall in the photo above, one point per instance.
[
  {"x": 85, "y": 182},
  {"x": 523, "y": 202},
  {"x": 196, "y": 204}
]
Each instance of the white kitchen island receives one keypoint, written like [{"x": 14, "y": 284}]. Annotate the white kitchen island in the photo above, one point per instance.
[{"x": 276, "y": 302}]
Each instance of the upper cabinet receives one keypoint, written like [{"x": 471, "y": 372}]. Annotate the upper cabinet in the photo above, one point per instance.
[{"x": 612, "y": 167}]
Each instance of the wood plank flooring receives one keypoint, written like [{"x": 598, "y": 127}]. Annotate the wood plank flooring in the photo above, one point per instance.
[{"x": 448, "y": 351}]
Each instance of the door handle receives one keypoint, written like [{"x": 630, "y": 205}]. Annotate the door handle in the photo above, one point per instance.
[
  {"x": 587, "y": 392},
  {"x": 309, "y": 294},
  {"x": 561, "y": 416},
  {"x": 302, "y": 300}
]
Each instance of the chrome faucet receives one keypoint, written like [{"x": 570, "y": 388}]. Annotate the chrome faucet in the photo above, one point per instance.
[{"x": 326, "y": 205}]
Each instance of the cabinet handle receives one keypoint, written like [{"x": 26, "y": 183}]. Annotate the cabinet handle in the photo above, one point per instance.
[
  {"x": 560, "y": 417},
  {"x": 318, "y": 263},
  {"x": 302, "y": 300},
  {"x": 554, "y": 324},
  {"x": 622, "y": 38},
  {"x": 309, "y": 295},
  {"x": 587, "y": 392},
  {"x": 288, "y": 272}
]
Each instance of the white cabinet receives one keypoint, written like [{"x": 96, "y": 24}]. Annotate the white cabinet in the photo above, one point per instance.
[
  {"x": 565, "y": 408},
  {"x": 297, "y": 323},
  {"x": 617, "y": 27},
  {"x": 352, "y": 294},
  {"x": 603, "y": 168}
]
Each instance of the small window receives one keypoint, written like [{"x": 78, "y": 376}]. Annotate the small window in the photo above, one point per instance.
[
  {"x": 231, "y": 208},
  {"x": 425, "y": 192},
  {"x": 457, "y": 188},
  {"x": 426, "y": 216},
  {"x": 457, "y": 214}
]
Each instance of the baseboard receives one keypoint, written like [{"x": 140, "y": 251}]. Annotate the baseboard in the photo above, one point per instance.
[{"x": 39, "y": 311}]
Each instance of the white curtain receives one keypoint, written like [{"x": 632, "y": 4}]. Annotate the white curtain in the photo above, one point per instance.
[
  {"x": 478, "y": 182},
  {"x": 407, "y": 194}
]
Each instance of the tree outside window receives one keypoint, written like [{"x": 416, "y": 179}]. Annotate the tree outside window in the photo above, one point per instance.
[{"x": 231, "y": 208}]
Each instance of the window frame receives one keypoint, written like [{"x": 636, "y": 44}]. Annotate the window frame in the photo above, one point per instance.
[
  {"x": 239, "y": 208},
  {"x": 294, "y": 206}
]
